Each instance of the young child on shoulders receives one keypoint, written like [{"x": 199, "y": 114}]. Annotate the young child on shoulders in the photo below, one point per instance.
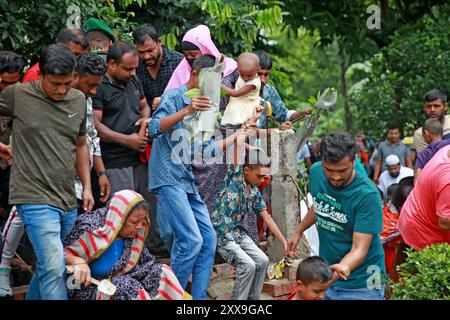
[{"x": 244, "y": 98}]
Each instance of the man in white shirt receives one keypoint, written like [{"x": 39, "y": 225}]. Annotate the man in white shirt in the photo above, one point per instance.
[{"x": 394, "y": 173}]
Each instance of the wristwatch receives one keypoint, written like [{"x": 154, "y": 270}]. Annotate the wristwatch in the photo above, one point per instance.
[{"x": 101, "y": 173}]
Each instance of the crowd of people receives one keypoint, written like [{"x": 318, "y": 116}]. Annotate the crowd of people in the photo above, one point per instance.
[
  {"x": 415, "y": 208},
  {"x": 92, "y": 171}
]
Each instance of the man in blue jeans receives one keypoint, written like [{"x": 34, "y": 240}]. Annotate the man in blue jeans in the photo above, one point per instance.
[
  {"x": 183, "y": 218},
  {"x": 49, "y": 142},
  {"x": 348, "y": 213}
]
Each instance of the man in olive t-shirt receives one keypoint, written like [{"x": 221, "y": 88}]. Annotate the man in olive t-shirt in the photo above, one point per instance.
[
  {"x": 49, "y": 127},
  {"x": 347, "y": 210}
]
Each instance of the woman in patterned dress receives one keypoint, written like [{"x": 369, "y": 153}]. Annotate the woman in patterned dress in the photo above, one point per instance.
[{"x": 110, "y": 243}]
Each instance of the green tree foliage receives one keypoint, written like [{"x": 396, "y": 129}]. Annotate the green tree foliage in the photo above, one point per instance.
[
  {"x": 304, "y": 64},
  {"x": 301, "y": 69},
  {"x": 425, "y": 275},
  {"x": 346, "y": 21},
  {"x": 236, "y": 26},
  {"x": 27, "y": 26},
  {"x": 415, "y": 61}
]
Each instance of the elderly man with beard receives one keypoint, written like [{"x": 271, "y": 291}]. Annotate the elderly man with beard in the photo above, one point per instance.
[
  {"x": 394, "y": 173},
  {"x": 157, "y": 63}
]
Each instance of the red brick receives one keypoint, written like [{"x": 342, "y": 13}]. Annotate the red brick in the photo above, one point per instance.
[
  {"x": 292, "y": 273},
  {"x": 263, "y": 246},
  {"x": 224, "y": 271},
  {"x": 278, "y": 288},
  {"x": 220, "y": 289}
]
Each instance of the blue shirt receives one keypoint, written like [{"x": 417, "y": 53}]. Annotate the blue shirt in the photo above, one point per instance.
[
  {"x": 279, "y": 110},
  {"x": 104, "y": 263},
  {"x": 172, "y": 151},
  {"x": 303, "y": 153}
]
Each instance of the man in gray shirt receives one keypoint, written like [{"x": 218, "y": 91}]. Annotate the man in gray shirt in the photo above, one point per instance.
[{"x": 392, "y": 145}]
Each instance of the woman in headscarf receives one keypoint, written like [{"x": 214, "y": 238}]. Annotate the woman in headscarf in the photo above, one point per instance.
[
  {"x": 109, "y": 243},
  {"x": 197, "y": 41}
]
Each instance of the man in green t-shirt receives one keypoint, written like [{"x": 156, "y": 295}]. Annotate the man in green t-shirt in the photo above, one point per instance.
[{"x": 348, "y": 212}]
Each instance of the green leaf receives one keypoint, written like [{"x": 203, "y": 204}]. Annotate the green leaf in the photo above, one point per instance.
[
  {"x": 312, "y": 100},
  {"x": 195, "y": 92}
]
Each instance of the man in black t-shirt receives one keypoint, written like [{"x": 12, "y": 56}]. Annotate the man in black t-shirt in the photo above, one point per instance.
[{"x": 119, "y": 109}]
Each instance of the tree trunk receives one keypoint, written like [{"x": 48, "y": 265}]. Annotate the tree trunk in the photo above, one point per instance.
[
  {"x": 384, "y": 8},
  {"x": 343, "y": 83}
]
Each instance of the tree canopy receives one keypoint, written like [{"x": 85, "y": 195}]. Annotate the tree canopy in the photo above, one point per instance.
[{"x": 380, "y": 72}]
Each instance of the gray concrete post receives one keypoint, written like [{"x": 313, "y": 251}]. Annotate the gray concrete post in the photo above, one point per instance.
[{"x": 285, "y": 199}]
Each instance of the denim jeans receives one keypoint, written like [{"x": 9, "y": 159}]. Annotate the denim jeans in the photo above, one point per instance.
[
  {"x": 337, "y": 293},
  {"x": 186, "y": 228},
  {"x": 13, "y": 232},
  {"x": 46, "y": 227},
  {"x": 251, "y": 265}
]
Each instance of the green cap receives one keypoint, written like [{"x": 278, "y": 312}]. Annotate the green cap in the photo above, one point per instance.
[{"x": 95, "y": 24}]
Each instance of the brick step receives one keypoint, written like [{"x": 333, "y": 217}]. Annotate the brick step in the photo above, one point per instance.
[
  {"x": 278, "y": 288},
  {"x": 220, "y": 289},
  {"x": 224, "y": 271}
]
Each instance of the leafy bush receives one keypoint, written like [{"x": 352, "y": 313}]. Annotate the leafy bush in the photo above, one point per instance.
[{"x": 425, "y": 275}]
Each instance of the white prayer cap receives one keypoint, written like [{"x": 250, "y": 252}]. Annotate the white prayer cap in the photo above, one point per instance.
[{"x": 392, "y": 159}]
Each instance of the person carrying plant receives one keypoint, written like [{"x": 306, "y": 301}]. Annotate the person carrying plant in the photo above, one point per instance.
[{"x": 182, "y": 216}]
